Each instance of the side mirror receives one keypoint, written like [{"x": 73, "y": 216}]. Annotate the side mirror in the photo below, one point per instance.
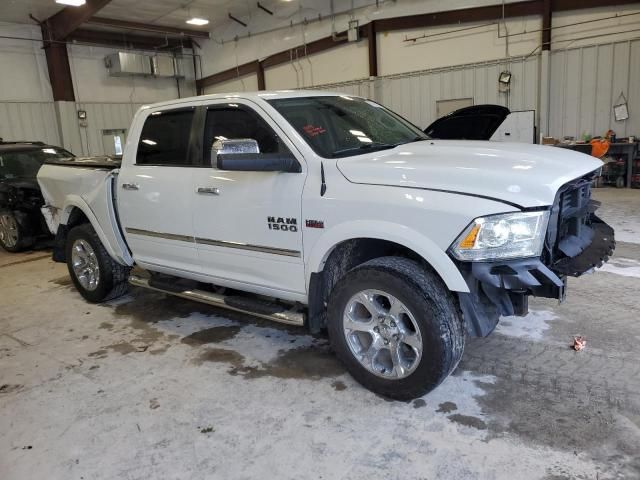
[
  {"x": 235, "y": 146},
  {"x": 262, "y": 162},
  {"x": 243, "y": 155}
]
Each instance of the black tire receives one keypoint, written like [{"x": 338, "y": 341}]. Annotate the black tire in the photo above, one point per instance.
[
  {"x": 434, "y": 309},
  {"x": 113, "y": 277},
  {"x": 24, "y": 239}
]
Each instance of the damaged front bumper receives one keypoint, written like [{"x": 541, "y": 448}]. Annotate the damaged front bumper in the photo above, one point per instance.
[{"x": 502, "y": 288}]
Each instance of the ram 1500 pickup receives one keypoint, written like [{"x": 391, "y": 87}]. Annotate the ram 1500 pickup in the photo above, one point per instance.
[{"x": 331, "y": 212}]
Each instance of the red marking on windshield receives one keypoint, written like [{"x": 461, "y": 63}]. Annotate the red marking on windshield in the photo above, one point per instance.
[{"x": 313, "y": 131}]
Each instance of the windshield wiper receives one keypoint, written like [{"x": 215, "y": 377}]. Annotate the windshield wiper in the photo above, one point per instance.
[{"x": 367, "y": 147}]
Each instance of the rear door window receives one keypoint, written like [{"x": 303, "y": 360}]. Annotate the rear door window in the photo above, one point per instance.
[{"x": 165, "y": 138}]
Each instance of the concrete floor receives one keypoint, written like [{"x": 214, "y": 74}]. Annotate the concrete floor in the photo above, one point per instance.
[{"x": 154, "y": 387}]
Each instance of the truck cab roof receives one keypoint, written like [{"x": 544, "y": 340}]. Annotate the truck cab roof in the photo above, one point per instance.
[{"x": 256, "y": 96}]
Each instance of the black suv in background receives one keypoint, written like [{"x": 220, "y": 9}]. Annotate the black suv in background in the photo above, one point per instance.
[{"x": 21, "y": 221}]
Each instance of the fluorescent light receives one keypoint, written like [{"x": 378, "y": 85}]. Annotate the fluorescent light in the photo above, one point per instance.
[
  {"x": 149, "y": 142},
  {"x": 197, "y": 21},
  {"x": 73, "y": 3}
]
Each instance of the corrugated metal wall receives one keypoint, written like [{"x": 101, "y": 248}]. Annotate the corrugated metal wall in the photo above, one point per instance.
[
  {"x": 103, "y": 116},
  {"x": 414, "y": 95},
  {"x": 585, "y": 84},
  {"x": 38, "y": 121},
  {"x": 29, "y": 121}
]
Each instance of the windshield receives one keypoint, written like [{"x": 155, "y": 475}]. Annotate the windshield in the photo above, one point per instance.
[
  {"x": 341, "y": 126},
  {"x": 26, "y": 163}
]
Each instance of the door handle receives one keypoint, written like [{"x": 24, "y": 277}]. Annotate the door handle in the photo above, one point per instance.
[
  {"x": 208, "y": 190},
  {"x": 130, "y": 186}
]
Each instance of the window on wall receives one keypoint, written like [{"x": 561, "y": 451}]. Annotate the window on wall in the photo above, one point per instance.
[
  {"x": 165, "y": 138},
  {"x": 235, "y": 121}
]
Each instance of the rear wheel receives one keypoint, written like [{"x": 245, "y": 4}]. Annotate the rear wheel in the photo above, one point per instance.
[
  {"x": 396, "y": 327},
  {"x": 13, "y": 236},
  {"x": 94, "y": 273}
]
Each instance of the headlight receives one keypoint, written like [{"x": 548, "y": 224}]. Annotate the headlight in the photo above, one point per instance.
[{"x": 509, "y": 235}]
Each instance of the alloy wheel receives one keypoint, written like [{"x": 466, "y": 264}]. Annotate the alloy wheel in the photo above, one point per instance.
[{"x": 382, "y": 334}]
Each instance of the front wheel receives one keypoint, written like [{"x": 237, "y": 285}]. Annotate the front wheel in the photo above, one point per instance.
[
  {"x": 94, "y": 273},
  {"x": 396, "y": 327}
]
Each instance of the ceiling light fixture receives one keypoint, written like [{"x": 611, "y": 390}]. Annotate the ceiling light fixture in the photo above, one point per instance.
[
  {"x": 198, "y": 21},
  {"x": 73, "y": 3}
]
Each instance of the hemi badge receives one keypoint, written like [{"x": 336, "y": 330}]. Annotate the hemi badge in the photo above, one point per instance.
[{"x": 315, "y": 223}]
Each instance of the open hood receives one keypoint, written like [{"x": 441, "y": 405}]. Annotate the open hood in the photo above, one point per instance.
[
  {"x": 515, "y": 173},
  {"x": 478, "y": 122}
]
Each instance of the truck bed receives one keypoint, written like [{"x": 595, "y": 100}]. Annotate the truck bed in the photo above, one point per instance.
[
  {"x": 86, "y": 184},
  {"x": 102, "y": 162}
]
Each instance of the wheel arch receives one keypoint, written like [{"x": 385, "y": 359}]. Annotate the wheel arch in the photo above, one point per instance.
[
  {"x": 337, "y": 253},
  {"x": 76, "y": 212}
]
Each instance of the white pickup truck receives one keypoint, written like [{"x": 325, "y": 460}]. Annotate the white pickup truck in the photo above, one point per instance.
[{"x": 330, "y": 212}]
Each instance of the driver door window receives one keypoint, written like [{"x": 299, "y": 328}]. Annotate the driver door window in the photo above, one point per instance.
[{"x": 234, "y": 121}]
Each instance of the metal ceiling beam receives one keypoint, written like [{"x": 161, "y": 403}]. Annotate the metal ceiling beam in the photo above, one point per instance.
[
  {"x": 260, "y": 76},
  {"x": 311, "y": 48},
  {"x": 547, "y": 7},
  {"x": 58, "y": 68},
  {"x": 240, "y": 71},
  {"x": 69, "y": 19},
  {"x": 126, "y": 40},
  {"x": 145, "y": 27},
  {"x": 564, "y": 5},
  {"x": 464, "y": 15},
  {"x": 372, "y": 41}
]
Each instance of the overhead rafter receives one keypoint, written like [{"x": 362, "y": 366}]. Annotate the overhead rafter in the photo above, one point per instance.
[
  {"x": 547, "y": 8},
  {"x": 372, "y": 43},
  {"x": 145, "y": 27},
  {"x": 464, "y": 15},
  {"x": 56, "y": 29},
  {"x": 58, "y": 68},
  {"x": 564, "y": 5},
  {"x": 63, "y": 23},
  {"x": 129, "y": 41}
]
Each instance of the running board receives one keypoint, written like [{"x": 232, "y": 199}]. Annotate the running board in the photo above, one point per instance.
[{"x": 257, "y": 308}]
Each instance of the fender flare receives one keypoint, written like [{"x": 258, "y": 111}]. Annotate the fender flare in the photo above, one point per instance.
[
  {"x": 75, "y": 201},
  {"x": 392, "y": 232}
]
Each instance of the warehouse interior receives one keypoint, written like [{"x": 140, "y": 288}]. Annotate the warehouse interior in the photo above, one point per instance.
[{"x": 150, "y": 385}]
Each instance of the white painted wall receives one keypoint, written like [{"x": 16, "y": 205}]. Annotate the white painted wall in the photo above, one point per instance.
[
  {"x": 223, "y": 52},
  {"x": 479, "y": 42},
  {"x": 340, "y": 65},
  {"x": 248, "y": 83},
  {"x": 23, "y": 67},
  {"x": 624, "y": 27}
]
